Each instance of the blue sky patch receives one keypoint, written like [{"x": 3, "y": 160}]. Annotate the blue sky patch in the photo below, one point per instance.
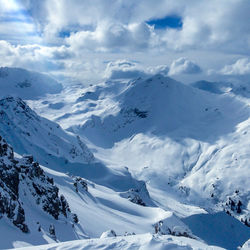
[
  {"x": 75, "y": 28},
  {"x": 16, "y": 16},
  {"x": 64, "y": 33},
  {"x": 174, "y": 22}
]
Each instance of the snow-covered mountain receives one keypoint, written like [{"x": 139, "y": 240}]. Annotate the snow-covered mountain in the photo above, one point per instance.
[
  {"x": 39, "y": 205},
  {"x": 26, "y": 84},
  {"x": 52, "y": 146},
  {"x": 213, "y": 87},
  {"x": 30, "y": 201},
  {"x": 163, "y": 107},
  {"x": 28, "y": 132},
  {"x": 138, "y": 156},
  {"x": 170, "y": 134},
  {"x": 220, "y": 87}
]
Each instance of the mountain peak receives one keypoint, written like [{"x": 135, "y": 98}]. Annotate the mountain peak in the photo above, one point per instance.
[{"x": 26, "y": 84}]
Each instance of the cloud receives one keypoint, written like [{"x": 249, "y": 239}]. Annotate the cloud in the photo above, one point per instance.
[
  {"x": 123, "y": 69},
  {"x": 240, "y": 67},
  {"x": 62, "y": 52},
  {"x": 211, "y": 24},
  {"x": 16, "y": 25},
  {"x": 33, "y": 57},
  {"x": 75, "y": 37},
  {"x": 59, "y": 61},
  {"x": 159, "y": 69},
  {"x": 112, "y": 37},
  {"x": 184, "y": 66}
]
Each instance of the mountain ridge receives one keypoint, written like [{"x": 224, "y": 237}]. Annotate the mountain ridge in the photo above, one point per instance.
[{"x": 152, "y": 155}]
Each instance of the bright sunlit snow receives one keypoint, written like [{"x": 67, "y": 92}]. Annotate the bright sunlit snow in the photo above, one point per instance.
[{"x": 124, "y": 125}]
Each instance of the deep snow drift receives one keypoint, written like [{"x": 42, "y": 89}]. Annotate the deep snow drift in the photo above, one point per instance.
[{"x": 145, "y": 241}]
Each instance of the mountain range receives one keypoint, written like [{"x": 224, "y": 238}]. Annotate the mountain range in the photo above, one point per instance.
[{"x": 148, "y": 163}]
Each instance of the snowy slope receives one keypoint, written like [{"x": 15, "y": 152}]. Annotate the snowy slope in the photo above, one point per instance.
[
  {"x": 180, "y": 140},
  {"x": 168, "y": 133},
  {"x": 33, "y": 200},
  {"x": 144, "y": 241},
  {"x": 236, "y": 87},
  {"x": 213, "y": 87},
  {"x": 30, "y": 133},
  {"x": 99, "y": 209},
  {"x": 163, "y": 107},
  {"x": 52, "y": 146},
  {"x": 26, "y": 84},
  {"x": 182, "y": 143},
  {"x": 30, "y": 205}
]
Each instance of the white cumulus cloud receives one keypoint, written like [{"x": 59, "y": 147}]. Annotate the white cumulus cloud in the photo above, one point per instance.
[
  {"x": 76, "y": 36},
  {"x": 112, "y": 37},
  {"x": 124, "y": 69},
  {"x": 240, "y": 67},
  {"x": 184, "y": 66}
]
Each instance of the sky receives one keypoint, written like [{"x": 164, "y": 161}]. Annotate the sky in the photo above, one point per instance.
[{"x": 89, "y": 40}]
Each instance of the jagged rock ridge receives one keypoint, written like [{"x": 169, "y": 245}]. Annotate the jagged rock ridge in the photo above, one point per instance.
[{"x": 26, "y": 176}]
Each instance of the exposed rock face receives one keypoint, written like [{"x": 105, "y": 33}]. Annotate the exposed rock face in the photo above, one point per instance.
[
  {"x": 9, "y": 183},
  {"x": 26, "y": 176},
  {"x": 79, "y": 182},
  {"x": 107, "y": 234},
  {"x": 236, "y": 206},
  {"x": 139, "y": 196},
  {"x": 173, "y": 226}
]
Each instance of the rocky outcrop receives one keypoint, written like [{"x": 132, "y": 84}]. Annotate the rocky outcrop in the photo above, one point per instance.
[
  {"x": 236, "y": 206},
  {"x": 139, "y": 196},
  {"x": 24, "y": 178}
]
